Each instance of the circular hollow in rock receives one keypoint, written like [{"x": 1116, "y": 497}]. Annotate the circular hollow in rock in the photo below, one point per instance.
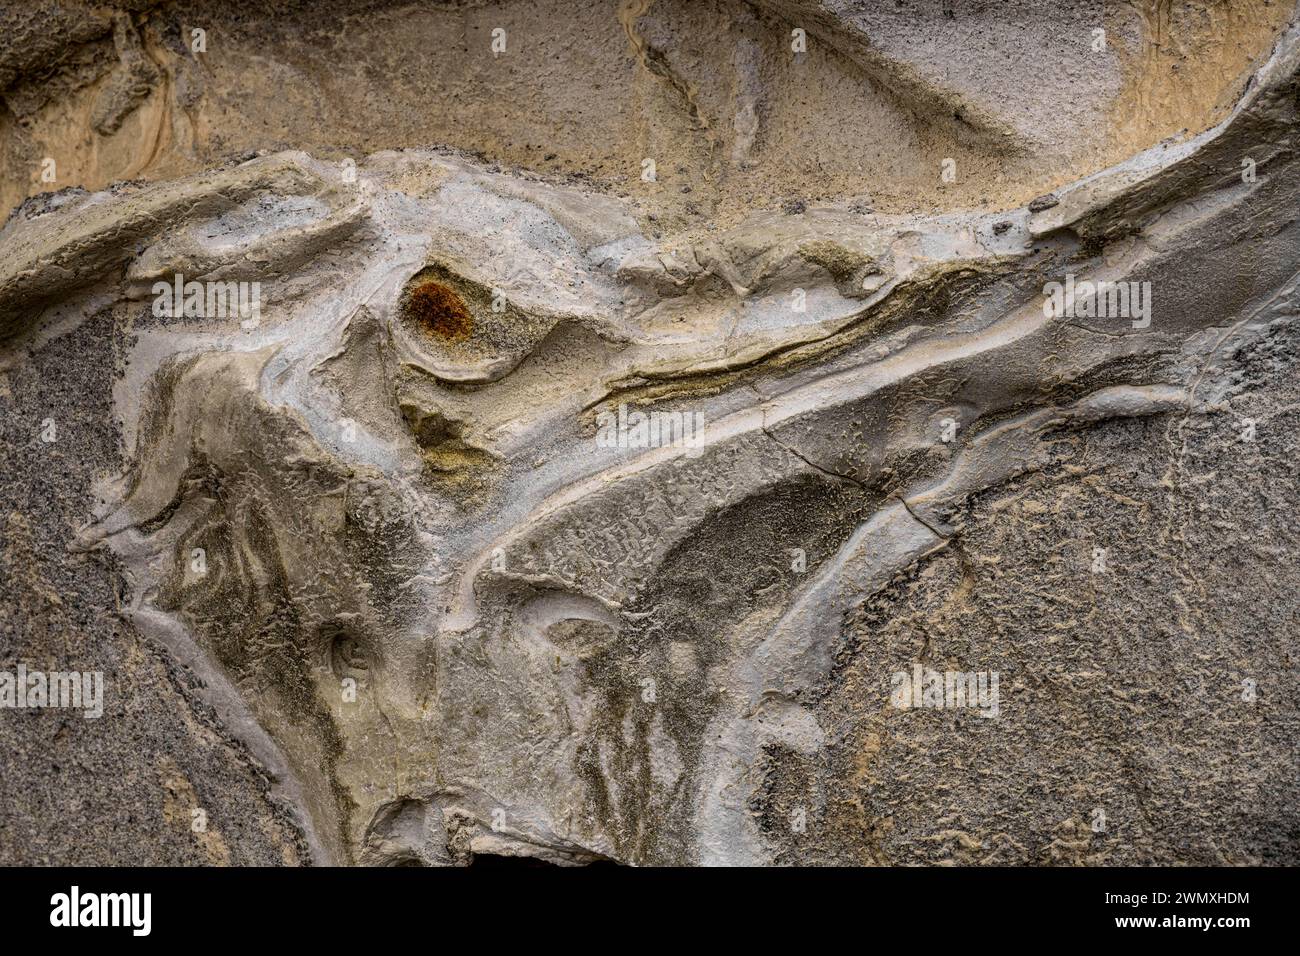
[{"x": 439, "y": 312}]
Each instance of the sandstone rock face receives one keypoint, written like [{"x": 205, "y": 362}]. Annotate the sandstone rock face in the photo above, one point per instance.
[{"x": 652, "y": 432}]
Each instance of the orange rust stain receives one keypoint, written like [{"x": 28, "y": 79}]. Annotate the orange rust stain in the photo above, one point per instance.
[{"x": 439, "y": 312}]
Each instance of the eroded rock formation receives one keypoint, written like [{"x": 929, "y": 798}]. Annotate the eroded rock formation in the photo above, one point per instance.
[{"x": 450, "y": 502}]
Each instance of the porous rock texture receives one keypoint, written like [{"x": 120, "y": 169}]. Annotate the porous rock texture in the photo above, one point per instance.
[{"x": 368, "y": 586}]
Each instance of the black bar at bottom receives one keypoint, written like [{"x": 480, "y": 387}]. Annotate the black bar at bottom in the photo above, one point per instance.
[{"x": 335, "y": 906}]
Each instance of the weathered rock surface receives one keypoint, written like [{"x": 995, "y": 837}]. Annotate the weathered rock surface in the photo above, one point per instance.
[{"x": 370, "y": 584}]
